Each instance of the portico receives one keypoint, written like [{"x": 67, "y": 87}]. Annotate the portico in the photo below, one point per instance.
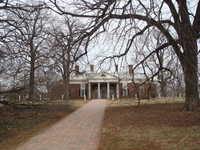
[
  {"x": 101, "y": 85},
  {"x": 103, "y": 90},
  {"x": 104, "y": 85}
]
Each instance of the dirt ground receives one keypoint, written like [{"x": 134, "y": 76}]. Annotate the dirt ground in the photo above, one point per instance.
[
  {"x": 17, "y": 125},
  {"x": 150, "y": 127}
]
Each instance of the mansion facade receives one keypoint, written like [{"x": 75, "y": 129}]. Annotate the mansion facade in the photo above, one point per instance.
[{"x": 103, "y": 85}]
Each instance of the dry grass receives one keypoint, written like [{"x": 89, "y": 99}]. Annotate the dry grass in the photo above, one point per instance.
[
  {"x": 150, "y": 127},
  {"x": 134, "y": 102},
  {"x": 72, "y": 103},
  {"x": 18, "y": 125}
]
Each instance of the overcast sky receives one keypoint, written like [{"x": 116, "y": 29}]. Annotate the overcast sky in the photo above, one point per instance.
[{"x": 105, "y": 45}]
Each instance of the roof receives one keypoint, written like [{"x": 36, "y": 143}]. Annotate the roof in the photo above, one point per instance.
[{"x": 102, "y": 77}]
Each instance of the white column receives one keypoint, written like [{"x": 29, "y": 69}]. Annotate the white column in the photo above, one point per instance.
[
  {"x": 126, "y": 91},
  {"x": 126, "y": 87},
  {"x": 99, "y": 90},
  {"x": 117, "y": 90},
  {"x": 84, "y": 95},
  {"x": 89, "y": 90},
  {"x": 108, "y": 90},
  {"x": 19, "y": 97}
]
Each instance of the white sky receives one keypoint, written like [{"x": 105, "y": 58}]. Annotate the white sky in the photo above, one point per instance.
[{"x": 105, "y": 45}]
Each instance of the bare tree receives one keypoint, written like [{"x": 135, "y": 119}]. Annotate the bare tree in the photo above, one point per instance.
[
  {"x": 178, "y": 23},
  {"x": 26, "y": 43},
  {"x": 10, "y": 26},
  {"x": 158, "y": 66},
  {"x": 67, "y": 49}
]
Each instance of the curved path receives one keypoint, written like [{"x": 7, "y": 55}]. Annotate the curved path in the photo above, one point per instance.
[{"x": 78, "y": 131}]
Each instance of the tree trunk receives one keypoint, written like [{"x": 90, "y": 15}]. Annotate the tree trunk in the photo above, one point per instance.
[
  {"x": 32, "y": 72},
  {"x": 163, "y": 90},
  {"x": 66, "y": 85},
  {"x": 66, "y": 73},
  {"x": 32, "y": 80},
  {"x": 190, "y": 69},
  {"x": 162, "y": 85},
  {"x": 68, "y": 61},
  {"x": 67, "y": 80}
]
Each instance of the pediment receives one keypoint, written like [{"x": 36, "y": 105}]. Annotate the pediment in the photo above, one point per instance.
[{"x": 104, "y": 75}]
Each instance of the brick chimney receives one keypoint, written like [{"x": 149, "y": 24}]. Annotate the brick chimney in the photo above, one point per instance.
[
  {"x": 76, "y": 69},
  {"x": 91, "y": 68},
  {"x": 130, "y": 70}
]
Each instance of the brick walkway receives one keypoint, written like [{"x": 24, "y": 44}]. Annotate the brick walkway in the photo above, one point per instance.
[{"x": 78, "y": 131}]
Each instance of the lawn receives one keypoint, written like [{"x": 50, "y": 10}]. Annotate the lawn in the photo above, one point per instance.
[
  {"x": 17, "y": 125},
  {"x": 154, "y": 125}
]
